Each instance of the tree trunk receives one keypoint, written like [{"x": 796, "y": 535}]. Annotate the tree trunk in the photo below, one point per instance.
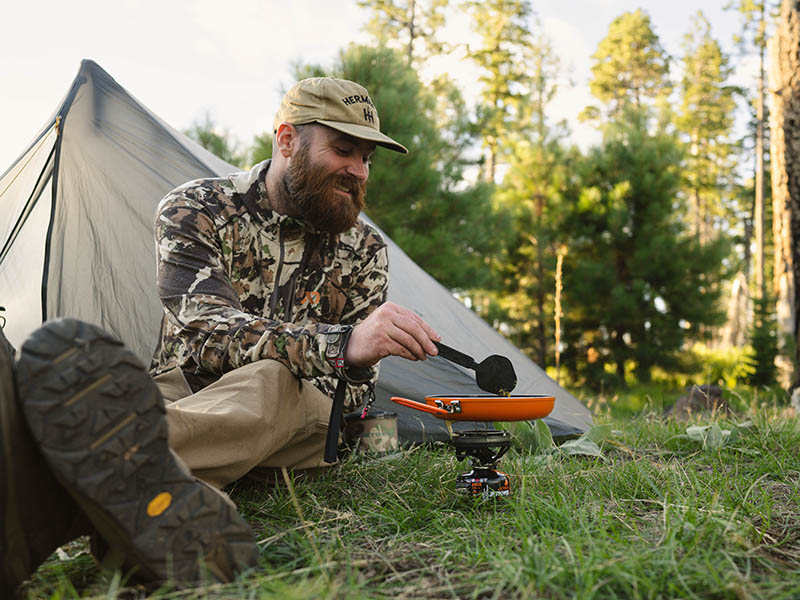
[
  {"x": 748, "y": 238},
  {"x": 785, "y": 156},
  {"x": 491, "y": 159},
  {"x": 758, "y": 215},
  {"x": 618, "y": 352},
  {"x": 540, "y": 291},
  {"x": 412, "y": 31},
  {"x": 734, "y": 333}
]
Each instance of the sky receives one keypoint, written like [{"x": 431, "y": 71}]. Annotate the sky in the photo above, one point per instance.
[{"x": 187, "y": 58}]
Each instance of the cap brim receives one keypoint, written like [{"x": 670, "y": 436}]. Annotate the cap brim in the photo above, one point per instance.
[{"x": 363, "y": 132}]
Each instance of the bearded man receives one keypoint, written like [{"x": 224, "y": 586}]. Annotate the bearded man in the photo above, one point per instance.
[{"x": 274, "y": 292}]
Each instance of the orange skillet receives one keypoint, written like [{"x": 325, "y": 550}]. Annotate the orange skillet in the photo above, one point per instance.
[{"x": 461, "y": 407}]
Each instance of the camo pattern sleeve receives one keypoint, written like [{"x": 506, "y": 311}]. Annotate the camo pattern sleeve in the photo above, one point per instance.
[{"x": 240, "y": 283}]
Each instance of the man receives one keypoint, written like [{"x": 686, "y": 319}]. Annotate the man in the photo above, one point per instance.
[{"x": 274, "y": 293}]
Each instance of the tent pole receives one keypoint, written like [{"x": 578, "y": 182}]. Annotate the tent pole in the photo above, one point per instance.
[{"x": 60, "y": 120}]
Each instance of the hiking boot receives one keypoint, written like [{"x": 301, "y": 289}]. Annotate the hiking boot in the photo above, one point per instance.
[
  {"x": 37, "y": 514},
  {"x": 100, "y": 422}
]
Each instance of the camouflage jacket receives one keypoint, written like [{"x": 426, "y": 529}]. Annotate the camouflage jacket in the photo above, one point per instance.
[{"x": 240, "y": 282}]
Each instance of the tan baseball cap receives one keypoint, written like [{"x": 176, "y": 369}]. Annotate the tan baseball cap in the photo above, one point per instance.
[{"x": 340, "y": 104}]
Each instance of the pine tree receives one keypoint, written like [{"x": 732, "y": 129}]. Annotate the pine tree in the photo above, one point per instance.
[
  {"x": 533, "y": 189},
  {"x": 764, "y": 339},
  {"x": 630, "y": 68},
  {"x": 755, "y": 17},
  {"x": 410, "y": 25},
  {"x": 503, "y": 58},
  {"x": 539, "y": 169},
  {"x": 413, "y": 27},
  {"x": 705, "y": 119},
  {"x": 637, "y": 285}
]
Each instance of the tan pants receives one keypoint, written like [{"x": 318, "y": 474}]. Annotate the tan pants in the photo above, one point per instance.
[{"x": 259, "y": 415}]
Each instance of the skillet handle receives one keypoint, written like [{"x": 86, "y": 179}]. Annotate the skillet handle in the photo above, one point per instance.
[{"x": 434, "y": 410}]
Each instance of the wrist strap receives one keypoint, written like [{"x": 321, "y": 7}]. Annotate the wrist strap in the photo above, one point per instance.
[
  {"x": 335, "y": 423},
  {"x": 337, "y": 338}
]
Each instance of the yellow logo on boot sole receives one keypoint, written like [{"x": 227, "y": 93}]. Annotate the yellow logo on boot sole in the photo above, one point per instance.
[{"x": 159, "y": 504}]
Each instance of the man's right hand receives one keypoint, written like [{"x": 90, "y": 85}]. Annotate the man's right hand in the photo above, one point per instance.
[{"x": 390, "y": 330}]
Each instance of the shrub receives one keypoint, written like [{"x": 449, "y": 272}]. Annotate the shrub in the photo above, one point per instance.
[{"x": 724, "y": 366}]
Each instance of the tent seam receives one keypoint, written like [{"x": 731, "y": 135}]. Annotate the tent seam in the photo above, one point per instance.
[{"x": 62, "y": 119}]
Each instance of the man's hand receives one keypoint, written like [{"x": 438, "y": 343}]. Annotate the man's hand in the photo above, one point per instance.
[{"x": 390, "y": 330}]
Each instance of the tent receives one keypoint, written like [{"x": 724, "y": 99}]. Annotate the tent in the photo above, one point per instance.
[{"x": 76, "y": 213}]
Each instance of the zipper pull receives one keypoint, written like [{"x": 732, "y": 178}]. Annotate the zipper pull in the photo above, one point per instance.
[{"x": 368, "y": 403}]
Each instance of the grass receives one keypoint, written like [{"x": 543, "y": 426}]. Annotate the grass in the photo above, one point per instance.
[{"x": 657, "y": 516}]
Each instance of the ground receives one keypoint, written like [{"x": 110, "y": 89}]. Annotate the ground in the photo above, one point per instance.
[{"x": 661, "y": 513}]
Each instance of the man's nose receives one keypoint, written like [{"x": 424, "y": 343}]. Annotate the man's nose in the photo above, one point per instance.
[{"x": 358, "y": 169}]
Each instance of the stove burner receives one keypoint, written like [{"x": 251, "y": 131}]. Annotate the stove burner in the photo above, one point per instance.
[
  {"x": 484, "y": 483},
  {"x": 484, "y": 448}
]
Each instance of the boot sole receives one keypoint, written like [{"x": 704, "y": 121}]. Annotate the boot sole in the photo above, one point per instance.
[{"x": 100, "y": 422}]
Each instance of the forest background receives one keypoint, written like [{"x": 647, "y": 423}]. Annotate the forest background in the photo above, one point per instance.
[
  {"x": 649, "y": 255},
  {"x": 646, "y": 241}
]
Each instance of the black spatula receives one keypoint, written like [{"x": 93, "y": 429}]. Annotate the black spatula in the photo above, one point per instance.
[{"x": 494, "y": 374}]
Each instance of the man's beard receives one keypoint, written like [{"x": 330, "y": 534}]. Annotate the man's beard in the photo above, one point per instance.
[{"x": 310, "y": 189}]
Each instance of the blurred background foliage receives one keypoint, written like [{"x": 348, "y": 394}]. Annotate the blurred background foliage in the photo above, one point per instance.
[{"x": 654, "y": 224}]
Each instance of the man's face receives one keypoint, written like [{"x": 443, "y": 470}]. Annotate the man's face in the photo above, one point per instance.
[{"x": 326, "y": 179}]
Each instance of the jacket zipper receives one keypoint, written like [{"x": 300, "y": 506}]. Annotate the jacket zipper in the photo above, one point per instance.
[
  {"x": 277, "y": 286},
  {"x": 309, "y": 246},
  {"x": 308, "y": 249}
]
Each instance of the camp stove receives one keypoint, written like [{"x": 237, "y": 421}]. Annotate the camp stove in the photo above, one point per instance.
[{"x": 484, "y": 447}]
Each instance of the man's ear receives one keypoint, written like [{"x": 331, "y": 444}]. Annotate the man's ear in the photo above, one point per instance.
[{"x": 287, "y": 139}]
